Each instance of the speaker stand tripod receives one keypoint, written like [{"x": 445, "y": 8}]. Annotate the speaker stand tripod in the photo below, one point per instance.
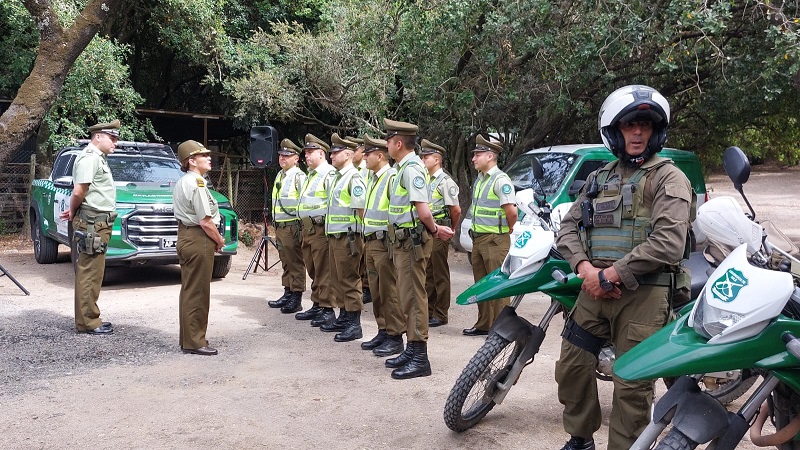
[
  {"x": 255, "y": 263},
  {"x": 4, "y": 272}
]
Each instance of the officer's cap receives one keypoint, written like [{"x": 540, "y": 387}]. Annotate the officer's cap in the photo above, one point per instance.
[
  {"x": 341, "y": 144},
  {"x": 358, "y": 141},
  {"x": 289, "y": 148},
  {"x": 427, "y": 147},
  {"x": 372, "y": 144},
  {"x": 482, "y": 145},
  {"x": 394, "y": 127},
  {"x": 312, "y": 142},
  {"x": 190, "y": 148},
  {"x": 110, "y": 128}
]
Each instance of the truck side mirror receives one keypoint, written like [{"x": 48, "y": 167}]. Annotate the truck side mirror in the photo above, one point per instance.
[{"x": 64, "y": 182}]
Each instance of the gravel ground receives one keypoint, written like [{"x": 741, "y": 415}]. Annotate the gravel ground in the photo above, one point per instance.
[{"x": 277, "y": 383}]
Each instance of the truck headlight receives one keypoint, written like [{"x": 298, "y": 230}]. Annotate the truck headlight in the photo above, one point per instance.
[{"x": 710, "y": 321}]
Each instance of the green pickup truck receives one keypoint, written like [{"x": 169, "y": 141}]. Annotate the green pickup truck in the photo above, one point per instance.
[{"x": 145, "y": 232}]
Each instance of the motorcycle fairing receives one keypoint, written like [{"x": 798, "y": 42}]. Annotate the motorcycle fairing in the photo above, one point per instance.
[
  {"x": 498, "y": 284},
  {"x": 677, "y": 350}
]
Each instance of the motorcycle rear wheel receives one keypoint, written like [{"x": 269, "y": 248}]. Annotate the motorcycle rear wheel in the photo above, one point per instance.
[
  {"x": 470, "y": 398},
  {"x": 675, "y": 440}
]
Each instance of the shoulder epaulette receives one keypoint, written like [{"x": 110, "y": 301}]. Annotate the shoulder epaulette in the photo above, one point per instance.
[{"x": 201, "y": 182}]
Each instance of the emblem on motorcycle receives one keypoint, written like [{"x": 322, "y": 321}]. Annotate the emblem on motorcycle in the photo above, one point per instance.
[
  {"x": 523, "y": 239},
  {"x": 727, "y": 287}
]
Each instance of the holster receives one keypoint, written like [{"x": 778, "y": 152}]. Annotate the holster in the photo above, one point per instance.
[
  {"x": 308, "y": 225},
  {"x": 416, "y": 243},
  {"x": 351, "y": 238}
]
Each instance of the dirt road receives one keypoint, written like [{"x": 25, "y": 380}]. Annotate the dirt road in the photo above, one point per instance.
[{"x": 277, "y": 383}]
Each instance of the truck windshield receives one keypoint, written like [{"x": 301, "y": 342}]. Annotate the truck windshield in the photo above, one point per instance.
[
  {"x": 556, "y": 167},
  {"x": 144, "y": 169}
]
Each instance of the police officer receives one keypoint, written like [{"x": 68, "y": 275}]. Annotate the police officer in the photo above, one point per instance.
[
  {"x": 285, "y": 200},
  {"x": 343, "y": 227},
  {"x": 411, "y": 229},
  {"x": 380, "y": 268},
  {"x": 625, "y": 237},
  {"x": 198, "y": 217},
  {"x": 446, "y": 211},
  {"x": 360, "y": 163},
  {"x": 494, "y": 213},
  {"x": 92, "y": 212},
  {"x": 312, "y": 210}
]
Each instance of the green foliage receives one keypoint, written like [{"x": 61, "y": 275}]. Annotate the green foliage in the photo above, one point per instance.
[
  {"x": 246, "y": 238},
  {"x": 18, "y": 43}
]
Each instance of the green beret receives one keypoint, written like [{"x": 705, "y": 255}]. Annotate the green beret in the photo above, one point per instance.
[
  {"x": 394, "y": 127},
  {"x": 110, "y": 128},
  {"x": 190, "y": 148},
  {"x": 427, "y": 147},
  {"x": 341, "y": 144},
  {"x": 371, "y": 144},
  {"x": 289, "y": 148},
  {"x": 313, "y": 142},
  {"x": 492, "y": 145}
]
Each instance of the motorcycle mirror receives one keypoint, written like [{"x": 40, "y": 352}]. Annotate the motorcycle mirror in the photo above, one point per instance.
[
  {"x": 538, "y": 170},
  {"x": 737, "y": 166}
]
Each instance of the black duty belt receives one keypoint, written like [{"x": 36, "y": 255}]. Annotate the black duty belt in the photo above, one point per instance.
[
  {"x": 475, "y": 234},
  {"x": 337, "y": 235},
  {"x": 288, "y": 223},
  {"x": 379, "y": 235},
  {"x": 656, "y": 279},
  {"x": 95, "y": 216},
  {"x": 443, "y": 221}
]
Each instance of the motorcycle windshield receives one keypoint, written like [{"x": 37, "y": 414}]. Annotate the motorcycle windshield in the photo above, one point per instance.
[
  {"x": 498, "y": 284},
  {"x": 677, "y": 350}
]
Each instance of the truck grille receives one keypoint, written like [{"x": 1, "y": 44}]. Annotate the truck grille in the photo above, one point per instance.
[{"x": 149, "y": 229}]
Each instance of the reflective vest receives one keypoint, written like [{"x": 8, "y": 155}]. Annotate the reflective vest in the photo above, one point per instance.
[
  {"x": 376, "y": 217},
  {"x": 286, "y": 195},
  {"x": 621, "y": 218},
  {"x": 401, "y": 210},
  {"x": 341, "y": 217},
  {"x": 438, "y": 208},
  {"x": 314, "y": 196},
  {"x": 488, "y": 215}
]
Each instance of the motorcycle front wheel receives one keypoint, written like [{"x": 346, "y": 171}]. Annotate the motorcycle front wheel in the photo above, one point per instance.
[
  {"x": 675, "y": 440},
  {"x": 471, "y": 398}
]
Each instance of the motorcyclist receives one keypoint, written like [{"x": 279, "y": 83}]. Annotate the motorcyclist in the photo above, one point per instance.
[{"x": 625, "y": 237}]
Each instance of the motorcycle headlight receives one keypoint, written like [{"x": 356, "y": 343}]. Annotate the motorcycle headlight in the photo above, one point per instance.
[{"x": 710, "y": 321}]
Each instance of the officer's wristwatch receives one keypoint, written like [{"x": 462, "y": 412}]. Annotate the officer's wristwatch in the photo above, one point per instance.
[{"x": 605, "y": 284}]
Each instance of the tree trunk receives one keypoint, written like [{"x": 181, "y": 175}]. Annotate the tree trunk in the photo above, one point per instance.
[{"x": 59, "y": 47}]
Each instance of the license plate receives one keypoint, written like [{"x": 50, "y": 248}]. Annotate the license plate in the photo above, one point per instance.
[{"x": 168, "y": 243}]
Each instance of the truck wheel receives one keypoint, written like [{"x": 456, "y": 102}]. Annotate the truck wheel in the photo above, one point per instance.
[
  {"x": 45, "y": 249},
  {"x": 222, "y": 265}
]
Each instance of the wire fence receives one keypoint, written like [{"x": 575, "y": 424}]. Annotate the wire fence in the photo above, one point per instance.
[
  {"x": 15, "y": 181},
  {"x": 244, "y": 187}
]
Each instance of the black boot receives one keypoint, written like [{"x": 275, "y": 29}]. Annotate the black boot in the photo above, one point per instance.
[
  {"x": 294, "y": 304},
  {"x": 326, "y": 316},
  {"x": 578, "y": 443},
  {"x": 366, "y": 296},
  {"x": 376, "y": 341},
  {"x": 310, "y": 313},
  {"x": 391, "y": 346},
  {"x": 353, "y": 329},
  {"x": 339, "y": 324},
  {"x": 279, "y": 303},
  {"x": 402, "y": 359},
  {"x": 419, "y": 366}
]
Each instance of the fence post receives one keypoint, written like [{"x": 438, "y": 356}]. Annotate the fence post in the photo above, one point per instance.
[
  {"x": 231, "y": 195},
  {"x": 26, "y": 224}
]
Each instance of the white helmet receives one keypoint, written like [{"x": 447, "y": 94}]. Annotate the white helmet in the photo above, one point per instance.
[{"x": 630, "y": 103}]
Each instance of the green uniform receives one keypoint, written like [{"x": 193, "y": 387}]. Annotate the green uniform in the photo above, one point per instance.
[
  {"x": 641, "y": 229},
  {"x": 490, "y": 239},
  {"x": 380, "y": 268},
  {"x": 192, "y": 203},
  {"x": 312, "y": 210},
  {"x": 343, "y": 226},
  {"x": 408, "y": 186},
  {"x": 98, "y": 207},
  {"x": 365, "y": 174},
  {"x": 444, "y": 193},
  {"x": 285, "y": 202}
]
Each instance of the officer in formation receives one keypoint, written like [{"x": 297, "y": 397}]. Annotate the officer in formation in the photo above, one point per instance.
[
  {"x": 285, "y": 201},
  {"x": 361, "y": 164},
  {"x": 380, "y": 267},
  {"x": 198, "y": 217},
  {"x": 411, "y": 230},
  {"x": 92, "y": 211},
  {"x": 494, "y": 213},
  {"x": 312, "y": 210},
  {"x": 446, "y": 211},
  {"x": 343, "y": 228},
  {"x": 625, "y": 237}
]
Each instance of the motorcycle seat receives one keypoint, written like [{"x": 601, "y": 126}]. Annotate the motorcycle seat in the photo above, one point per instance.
[{"x": 699, "y": 267}]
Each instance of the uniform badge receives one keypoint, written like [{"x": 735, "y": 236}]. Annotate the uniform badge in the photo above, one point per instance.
[
  {"x": 453, "y": 191},
  {"x": 357, "y": 191},
  {"x": 419, "y": 182},
  {"x": 506, "y": 189},
  {"x": 201, "y": 182}
]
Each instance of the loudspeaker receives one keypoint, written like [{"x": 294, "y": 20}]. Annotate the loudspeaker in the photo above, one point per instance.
[{"x": 263, "y": 146}]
